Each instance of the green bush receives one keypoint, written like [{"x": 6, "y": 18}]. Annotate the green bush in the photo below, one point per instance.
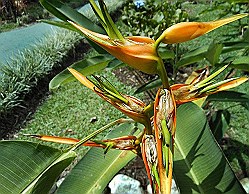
[{"x": 151, "y": 18}]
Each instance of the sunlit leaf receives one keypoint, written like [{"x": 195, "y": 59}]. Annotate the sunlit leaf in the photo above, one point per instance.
[
  {"x": 86, "y": 66},
  {"x": 29, "y": 167},
  {"x": 66, "y": 13}
]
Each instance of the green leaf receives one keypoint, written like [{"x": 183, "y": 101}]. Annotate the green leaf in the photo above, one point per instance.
[
  {"x": 86, "y": 67},
  {"x": 241, "y": 63},
  {"x": 234, "y": 46},
  {"x": 66, "y": 13},
  {"x": 219, "y": 123},
  {"x": 61, "y": 24},
  {"x": 148, "y": 86},
  {"x": 115, "y": 63},
  {"x": 29, "y": 167},
  {"x": 229, "y": 96},
  {"x": 246, "y": 35},
  {"x": 213, "y": 53},
  {"x": 200, "y": 165},
  {"x": 165, "y": 53},
  {"x": 192, "y": 56},
  {"x": 95, "y": 170}
]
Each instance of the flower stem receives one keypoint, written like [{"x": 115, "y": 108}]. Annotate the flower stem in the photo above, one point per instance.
[
  {"x": 119, "y": 121},
  {"x": 163, "y": 74}
]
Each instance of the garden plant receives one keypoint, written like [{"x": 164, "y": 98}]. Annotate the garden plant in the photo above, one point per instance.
[{"x": 171, "y": 133}]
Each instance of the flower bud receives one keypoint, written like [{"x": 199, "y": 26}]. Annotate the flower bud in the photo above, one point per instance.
[{"x": 186, "y": 31}]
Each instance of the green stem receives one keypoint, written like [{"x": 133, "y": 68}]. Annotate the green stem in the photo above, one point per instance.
[
  {"x": 119, "y": 121},
  {"x": 159, "y": 40},
  {"x": 163, "y": 74}
]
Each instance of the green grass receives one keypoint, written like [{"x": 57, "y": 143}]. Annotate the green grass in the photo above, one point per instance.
[{"x": 8, "y": 27}]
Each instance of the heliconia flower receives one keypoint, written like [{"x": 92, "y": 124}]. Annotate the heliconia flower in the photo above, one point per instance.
[
  {"x": 136, "y": 51},
  {"x": 186, "y": 31},
  {"x": 129, "y": 105},
  {"x": 197, "y": 89},
  {"x": 164, "y": 127},
  {"x": 121, "y": 143}
]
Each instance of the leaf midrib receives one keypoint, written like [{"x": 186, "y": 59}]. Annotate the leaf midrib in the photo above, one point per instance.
[{"x": 189, "y": 166}]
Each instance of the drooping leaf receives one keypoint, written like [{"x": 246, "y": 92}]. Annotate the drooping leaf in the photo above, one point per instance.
[
  {"x": 86, "y": 67},
  {"x": 213, "y": 53},
  {"x": 229, "y": 96},
  {"x": 219, "y": 123},
  {"x": 30, "y": 167},
  {"x": 200, "y": 166},
  {"x": 234, "y": 46},
  {"x": 61, "y": 24},
  {"x": 66, "y": 13},
  {"x": 95, "y": 170}
]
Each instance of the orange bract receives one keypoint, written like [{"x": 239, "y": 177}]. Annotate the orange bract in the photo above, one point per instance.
[
  {"x": 186, "y": 31},
  {"x": 137, "y": 52}
]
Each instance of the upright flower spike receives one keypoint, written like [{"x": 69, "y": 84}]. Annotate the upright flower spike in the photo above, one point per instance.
[
  {"x": 164, "y": 127},
  {"x": 149, "y": 155},
  {"x": 136, "y": 51},
  {"x": 129, "y": 105},
  {"x": 203, "y": 87},
  {"x": 186, "y": 31}
]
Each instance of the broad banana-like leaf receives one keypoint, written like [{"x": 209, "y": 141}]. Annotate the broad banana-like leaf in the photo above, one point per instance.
[
  {"x": 95, "y": 170},
  {"x": 200, "y": 166},
  {"x": 30, "y": 167},
  {"x": 86, "y": 67}
]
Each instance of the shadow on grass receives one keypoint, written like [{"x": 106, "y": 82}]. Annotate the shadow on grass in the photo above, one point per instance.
[{"x": 234, "y": 149}]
